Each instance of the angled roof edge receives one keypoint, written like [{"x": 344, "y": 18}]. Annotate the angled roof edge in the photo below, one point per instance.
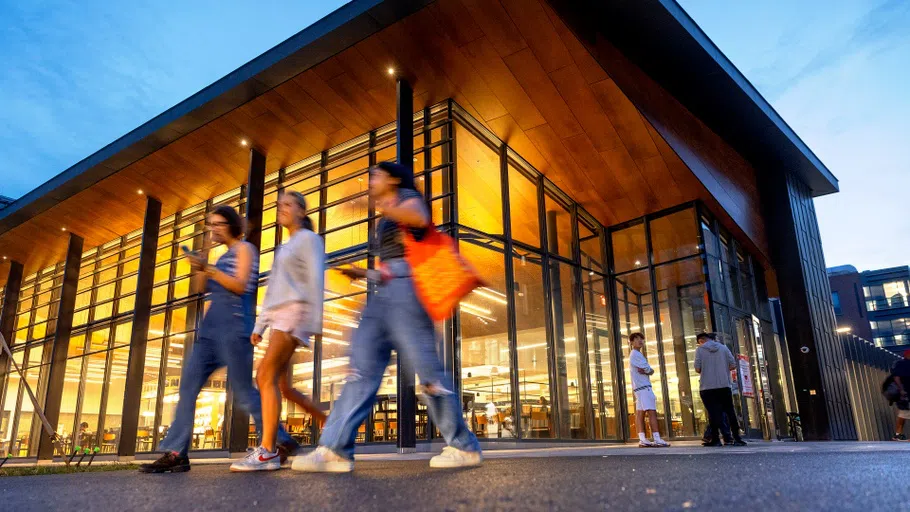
[
  {"x": 733, "y": 72},
  {"x": 337, "y": 31}
]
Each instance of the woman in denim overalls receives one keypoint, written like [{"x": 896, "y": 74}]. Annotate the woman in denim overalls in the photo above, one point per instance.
[
  {"x": 393, "y": 320},
  {"x": 224, "y": 337}
]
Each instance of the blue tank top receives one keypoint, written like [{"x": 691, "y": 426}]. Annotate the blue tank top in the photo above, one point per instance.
[{"x": 228, "y": 312}]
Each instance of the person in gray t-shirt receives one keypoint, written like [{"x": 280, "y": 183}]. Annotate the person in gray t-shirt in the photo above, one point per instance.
[{"x": 713, "y": 362}]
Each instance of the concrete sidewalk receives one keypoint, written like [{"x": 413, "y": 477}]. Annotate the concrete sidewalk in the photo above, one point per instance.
[{"x": 689, "y": 448}]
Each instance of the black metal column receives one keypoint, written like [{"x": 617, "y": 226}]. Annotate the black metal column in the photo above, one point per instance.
[
  {"x": 407, "y": 398},
  {"x": 135, "y": 368},
  {"x": 255, "y": 195},
  {"x": 57, "y": 370},
  {"x": 8, "y": 318}
]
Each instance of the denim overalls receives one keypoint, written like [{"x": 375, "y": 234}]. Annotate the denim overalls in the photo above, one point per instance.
[
  {"x": 394, "y": 320},
  {"x": 224, "y": 340}
]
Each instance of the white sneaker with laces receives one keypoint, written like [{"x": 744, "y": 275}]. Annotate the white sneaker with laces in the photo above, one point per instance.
[
  {"x": 452, "y": 457},
  {"x": 322, "y": 460},
  {"x": 259, "y": 459},
  {"x": 646, "y": 444},
  {"x": 660, "y": 443}
]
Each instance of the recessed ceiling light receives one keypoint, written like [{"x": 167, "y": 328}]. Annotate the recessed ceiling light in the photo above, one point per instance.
[
  {"x": 4, "y": 257},
  {"x": 140, "y": 192},
  {"x": 244, "y": 142},
  {"x": 391, "y": 71},
  {"x": 62, "y": 229},
  {"x": 637, "y": 262}
]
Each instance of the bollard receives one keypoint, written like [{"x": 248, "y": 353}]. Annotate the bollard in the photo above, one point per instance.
[
  {"x": 76, "y": 450},
  {"x": 94, "y": 452},
  {"x": 84, "y": 453}
]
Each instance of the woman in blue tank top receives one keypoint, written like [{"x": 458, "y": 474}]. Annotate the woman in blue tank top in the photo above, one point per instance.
[{"x": 223, "y": 339}]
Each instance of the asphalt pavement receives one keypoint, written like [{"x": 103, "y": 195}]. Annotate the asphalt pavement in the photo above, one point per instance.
[{"x": 769, "y": 476}]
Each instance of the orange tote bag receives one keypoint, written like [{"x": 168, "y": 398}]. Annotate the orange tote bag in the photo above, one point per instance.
[{"x": 442, "y": 277}]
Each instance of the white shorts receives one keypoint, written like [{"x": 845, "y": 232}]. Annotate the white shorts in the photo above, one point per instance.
[
  {"x": 645, "y": 400},
  {"x": 288, "y": 318},
  {"x": 905, "y": 414}
]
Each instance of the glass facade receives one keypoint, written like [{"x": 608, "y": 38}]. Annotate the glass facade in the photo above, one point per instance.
[{"x": 540, "y": 352}]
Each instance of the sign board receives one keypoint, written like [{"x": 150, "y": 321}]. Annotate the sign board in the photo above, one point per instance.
[{"x": 746, "y": 372}]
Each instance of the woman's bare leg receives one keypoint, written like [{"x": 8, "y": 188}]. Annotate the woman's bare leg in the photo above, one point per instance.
[
  {"x": 287, "y": 390},
  {"x": 271, "y": 370}
]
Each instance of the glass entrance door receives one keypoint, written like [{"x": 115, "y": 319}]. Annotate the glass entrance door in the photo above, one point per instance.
[{"x": 752, "y": 379}]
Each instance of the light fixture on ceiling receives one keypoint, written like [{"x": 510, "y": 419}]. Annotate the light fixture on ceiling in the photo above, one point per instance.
[
  {"x": 4, "y": 257},
  {"x": 62, "y": 229},
  {"x": 244, "y": 142},
  {"x": 140, "y": 192},
  {"x": 391, "y": 71},
  {"x": 637, "y": 263}
]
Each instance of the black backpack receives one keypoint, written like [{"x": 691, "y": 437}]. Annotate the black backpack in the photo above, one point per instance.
[{"x": 891, "y": 390}]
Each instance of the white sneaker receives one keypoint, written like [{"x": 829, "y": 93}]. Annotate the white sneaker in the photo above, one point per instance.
[
  {"x": 259, "y": 459},
  {"x": 322, "y": 460},
  {"x": 452, "y": 457},
  {"x": 660, "y": 443},
  {"x": 646, "y": 444}
]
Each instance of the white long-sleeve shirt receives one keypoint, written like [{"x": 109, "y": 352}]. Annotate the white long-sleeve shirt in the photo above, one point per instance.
[{"x": 297, "y": 275}]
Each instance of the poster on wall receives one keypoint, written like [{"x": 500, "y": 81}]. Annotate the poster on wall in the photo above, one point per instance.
[{"x": 746, "y": 374}]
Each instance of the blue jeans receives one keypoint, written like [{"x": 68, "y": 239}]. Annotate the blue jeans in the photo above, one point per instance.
[
  {"x": 208, "y": 355},
  {"x": 394, "y": 319}
]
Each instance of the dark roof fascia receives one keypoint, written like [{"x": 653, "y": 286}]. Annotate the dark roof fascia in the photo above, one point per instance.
[
  {"x": 662, "y": 40},
  {"x": 329, "y": 36}
]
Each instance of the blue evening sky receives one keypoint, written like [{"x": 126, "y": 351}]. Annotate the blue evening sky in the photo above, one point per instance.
[{"x": 78, "y": 74}]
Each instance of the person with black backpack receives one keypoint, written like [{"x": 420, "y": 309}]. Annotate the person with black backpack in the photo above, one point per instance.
[{"x": 900, "y": 375}]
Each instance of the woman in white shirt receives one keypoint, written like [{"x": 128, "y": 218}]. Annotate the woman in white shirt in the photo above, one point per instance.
[{"x": 292, "y": 309}]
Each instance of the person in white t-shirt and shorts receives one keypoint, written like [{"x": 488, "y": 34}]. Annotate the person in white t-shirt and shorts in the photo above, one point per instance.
[{"x": 645, "y": 400}]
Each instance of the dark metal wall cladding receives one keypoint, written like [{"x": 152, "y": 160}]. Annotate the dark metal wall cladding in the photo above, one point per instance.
[{"x": 815, "y": 352}]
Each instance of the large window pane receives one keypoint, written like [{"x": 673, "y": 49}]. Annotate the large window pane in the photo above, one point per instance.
[
  {"x": 559, "y": 227},
  {"x": 531, "y": 339},
  {"x": 683, "y": 314},
  {"x": 636, "y": 314},
  {"x": 630, "y": 250},
  {"x": 146, "y": 439},
  {"x": 590, "y": 244},
  {"x": 485, "y": 358},
  {"x": 674, "y": 236},
  {"x": 569, "y": 362},
  {"x": 600, "y": 353},
  {"x": 479, "y": 183},
  {"x": 523, "y": 207}
]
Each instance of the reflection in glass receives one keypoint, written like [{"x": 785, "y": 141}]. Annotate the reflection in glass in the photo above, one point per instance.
[{"x": 523, "y": 207}]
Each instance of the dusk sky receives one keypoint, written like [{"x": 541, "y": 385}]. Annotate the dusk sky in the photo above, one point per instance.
[{"x": 78, "y": 75}]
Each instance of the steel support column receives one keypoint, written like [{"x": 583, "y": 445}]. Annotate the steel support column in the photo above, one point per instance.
[
  {"x": 65, "y": 307},
  {"x": 135, "y": 370}
]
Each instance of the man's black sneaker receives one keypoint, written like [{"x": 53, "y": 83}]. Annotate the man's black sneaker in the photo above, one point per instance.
[
  {"x": 287, "y": 449},
  {"x": 738, "y": 442},
  {"x": 899, "y": 437},
  {"x": 712, "y": 443},
  {"x": 169, "y": 462}
]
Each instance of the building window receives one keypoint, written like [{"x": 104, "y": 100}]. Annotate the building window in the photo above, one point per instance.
[{"x": 835, "y": 299}]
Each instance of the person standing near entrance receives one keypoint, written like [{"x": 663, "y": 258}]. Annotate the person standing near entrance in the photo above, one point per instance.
[
  {"x": 394, "y": 319},
  {"x": 224, "y": 336},
  {"x": 901, "y": 375},
  {"x": 645, "y": 400},
  {"x": 713, "y": 362},
  {"x": 292, "y": 309}
]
